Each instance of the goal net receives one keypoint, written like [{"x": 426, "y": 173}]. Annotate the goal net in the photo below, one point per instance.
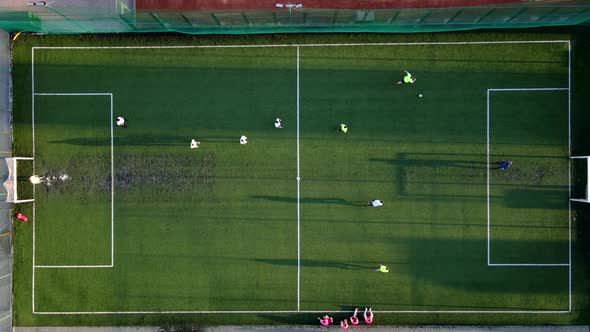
[
  {"x": 581, "y": 176},
  {"x": 12, "y": 182}
]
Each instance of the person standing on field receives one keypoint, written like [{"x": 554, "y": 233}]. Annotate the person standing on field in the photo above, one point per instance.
[
  {"x": 121, "y": 122},
  {"x": 408, "y": 79},
  {"x": 343, "y": 128},
  {"x": 375, "y": 203},
  {"x": 504, "y": 164},
  {"x": 382, "y": 268}
]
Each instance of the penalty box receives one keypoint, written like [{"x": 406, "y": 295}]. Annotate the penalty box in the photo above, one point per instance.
[
  {"x": 64, "y": 226},
  {"x": 527, "y": 205}
]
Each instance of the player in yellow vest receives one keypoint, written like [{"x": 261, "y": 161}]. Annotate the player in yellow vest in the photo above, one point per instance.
[
  {"x": 382, "y": 268},
  {"x": 407, "y": 79},
  {"x": 343, "y": 128}
]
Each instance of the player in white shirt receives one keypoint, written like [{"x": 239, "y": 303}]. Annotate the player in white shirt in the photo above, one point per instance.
[
  {"x": 36, "y": 179},
  {"x": 243, "y": 140},
  {"x": 121, "y": 122},
  {"x": 194, "y": 144},
  {"x": 278, "y": 123},
  {"x": 376, "y": 203}
]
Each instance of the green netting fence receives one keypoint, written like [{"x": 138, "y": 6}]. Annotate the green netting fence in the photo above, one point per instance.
[{"x": 120, "y": 18}]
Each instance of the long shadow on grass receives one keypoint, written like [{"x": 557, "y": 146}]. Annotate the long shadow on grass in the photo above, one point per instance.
[
  {"x": 433, "y": 163},
  {"x": 138, "y": 140},
  {"x": 308, "y": 200},
  {"x": 317, "y": 263},
  {"x": 142, "y": 140}
]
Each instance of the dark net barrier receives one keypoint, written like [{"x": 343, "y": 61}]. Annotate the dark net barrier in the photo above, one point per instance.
[{"x": 121, "y": 16}]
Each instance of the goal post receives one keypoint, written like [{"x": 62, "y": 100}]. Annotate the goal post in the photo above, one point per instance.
[
  {"x": 586, "y": 198},
  {"x": 11, "y": 183}
]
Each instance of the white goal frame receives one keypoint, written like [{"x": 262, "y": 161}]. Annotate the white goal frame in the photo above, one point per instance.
[
  {"x": 586, "y": 198},
  {"x": 13, "y": 177}
]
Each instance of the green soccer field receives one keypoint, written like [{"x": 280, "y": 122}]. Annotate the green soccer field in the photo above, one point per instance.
[{"x": 149, "y": 231}]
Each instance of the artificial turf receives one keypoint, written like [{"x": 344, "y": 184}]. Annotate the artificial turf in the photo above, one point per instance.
[{"x": 226, "y": 227}]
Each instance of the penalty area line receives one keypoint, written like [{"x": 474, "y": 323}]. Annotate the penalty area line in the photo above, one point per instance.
[
  {"x": 530, "y": 89},
  {"x": 73, "y": 94},
  {"x": 528, "y": 264},
  {"x": 112, "y": 255},
  {"x": 71, "y": 266}
]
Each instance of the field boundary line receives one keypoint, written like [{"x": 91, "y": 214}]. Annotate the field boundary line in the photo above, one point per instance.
[
  {"x": 33, "y": 155},
  {"x": 488, "y": 182},
  {"x": 110, "y": 95},
  {"x": 301, "y": 311},
  {"x": 298, "y": 46},
  {"x": 298, "y": 198},
  {"x": 301, "y": 45}
]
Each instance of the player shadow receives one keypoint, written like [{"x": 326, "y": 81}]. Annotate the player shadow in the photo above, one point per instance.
[
  {"x": 317, "y": 263},
  {"x": 291, "y": 319},
  {"x": 537, "y": 199},
  {"x": 433, "y": 163},
  {"x": 211, "y": 139},
  {"x": 308, "y": 200},
  {"x": 138, "y": 140},
  {"x": 389, "y": 60}
]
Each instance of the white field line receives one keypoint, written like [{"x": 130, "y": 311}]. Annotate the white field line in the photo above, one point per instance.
[
  {"x": 488, "y": 178},
  {"x": 74, "y": 94},
  {"x": 569, "y": 169},
  {"x": 109, "y": 94},
  {"x": 71, "y": 266},
  {"x": 33, "y": 155},
  {"x": 303, "y": 311},
  {"x": 530, "y": 89},
  {"x": 112, "y": 190},
  {"x": 488, "y": 163},
  {"x": 527, "y": 264},
  {"x": 298, "y": 199},
  {"x": 299, "y": 45},
  {"x": 23, "y": 200}
]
